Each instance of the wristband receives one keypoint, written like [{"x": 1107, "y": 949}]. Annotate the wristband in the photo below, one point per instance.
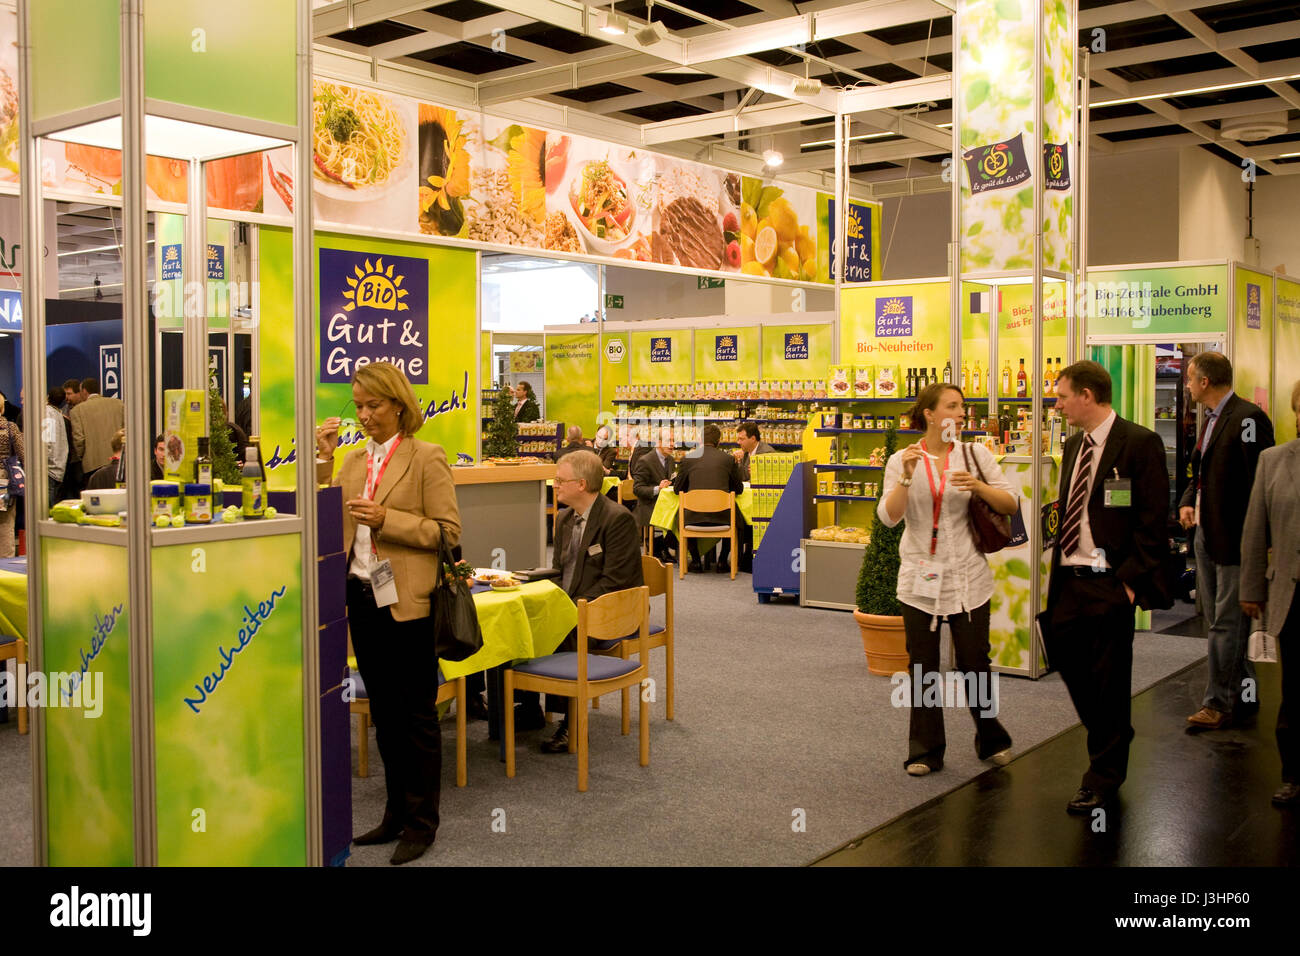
[{"x": 906, "y": 482}]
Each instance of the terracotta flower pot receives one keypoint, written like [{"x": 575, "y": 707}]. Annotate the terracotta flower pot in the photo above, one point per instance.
[{"x": 884, "y": 641}]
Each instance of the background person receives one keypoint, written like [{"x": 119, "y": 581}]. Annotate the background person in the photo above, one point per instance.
[
  {"x": 158, "y": 467},
  {"x": 106, "y": 477},
  {"x": 651, "y": 474},
  {"x": 938, "y": 536},
  {"x": 95, "y": 421},
  {"x": 1268, "y": 592},
  {"x": 526, "y": 409},
  {"x": 708, "y": 468},
  {"x": 400, "y": 505},
  {"x": 1214, "y": 505},
  {"x": 606, "y": 448},
  {"x": 55, "y": 437},
  {"x": 1106, "y": 559},
  {"x": 751, "y": 444},
  {"x": 572, "y": 442},
  {"x": 11, "y": 443}
]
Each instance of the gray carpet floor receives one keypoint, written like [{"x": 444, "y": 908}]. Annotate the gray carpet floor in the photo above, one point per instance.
[{"x": 783, "y": 748}]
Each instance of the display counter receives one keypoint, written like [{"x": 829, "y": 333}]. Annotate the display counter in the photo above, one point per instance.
[{"x": 503, "y": 514}]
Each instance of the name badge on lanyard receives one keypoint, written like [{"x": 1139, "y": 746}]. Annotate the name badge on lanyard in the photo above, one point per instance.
[{"x": 382, "y": 581}]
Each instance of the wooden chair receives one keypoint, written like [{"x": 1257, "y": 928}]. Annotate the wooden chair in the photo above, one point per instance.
[
  {"x": 447, "y": 690},
  {"x": 582, "y": 676},
  {"x": 626, "y": 497},
  {"x": 706, "y": 500},
  {"x": 16, "y": 648},
  {"x": 659, "y": 579}
]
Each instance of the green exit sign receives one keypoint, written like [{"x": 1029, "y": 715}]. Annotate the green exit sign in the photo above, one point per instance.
[
  {"x": 704, "y": 282},
  {"x": 613, "y": 301}
]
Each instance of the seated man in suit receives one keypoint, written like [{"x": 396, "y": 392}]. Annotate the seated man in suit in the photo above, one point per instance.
[
  {"x": 597, "y": 550},
  {"x": 572, "y": 442},
  {"x": 750, "y": 445},
  {"x": 708, "y": 467},
  {"x": 606, "y": 448},
  {"x": 652, "y": 473}
]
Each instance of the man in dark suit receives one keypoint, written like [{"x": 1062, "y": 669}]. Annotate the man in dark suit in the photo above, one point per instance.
[
  {"x": 1109, "y": 554},
  {"x": 651, "y": 473},
  {"x": 597, "y": 550},
  {"x": 751, "y": 444},
  {"x": 1223, "y": 473},
  {"x": 572, "y": 442},
  {"x": 708, "y": 468}
]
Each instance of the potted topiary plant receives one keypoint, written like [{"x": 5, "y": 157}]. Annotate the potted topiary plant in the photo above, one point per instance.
[
  {"x": 500, "y": 441},
  {"x": 878, "y": 613}
]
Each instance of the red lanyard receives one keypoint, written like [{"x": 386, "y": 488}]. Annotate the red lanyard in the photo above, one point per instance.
[
  {"x": 937, "y": 495},
  {"x": 370, "y": 464}
]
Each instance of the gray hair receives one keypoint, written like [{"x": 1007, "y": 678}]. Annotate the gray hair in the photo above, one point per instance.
[
  {"x": 587, "y": 466},
  {"x": 574, "y": 433}
]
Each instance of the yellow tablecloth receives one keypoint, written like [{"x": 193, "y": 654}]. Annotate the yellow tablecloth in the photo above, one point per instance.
[
  {"x": 13, "y": 604},
  {"x": 517, "y": 625},
  {"x": 665, "y": 513}
]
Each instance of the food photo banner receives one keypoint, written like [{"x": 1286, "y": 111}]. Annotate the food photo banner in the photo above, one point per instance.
[
  {"x": 385, "y": 161},
  {"x": 1286, "y": 356}
]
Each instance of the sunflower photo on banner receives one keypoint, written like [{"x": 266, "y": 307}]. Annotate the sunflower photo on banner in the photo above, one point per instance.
[
  {"x": 508, "y": 184},
  {"x": 444, "y": 171}
]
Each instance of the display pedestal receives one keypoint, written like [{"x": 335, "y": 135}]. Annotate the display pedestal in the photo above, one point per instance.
[{"x": 776, "y": 564}]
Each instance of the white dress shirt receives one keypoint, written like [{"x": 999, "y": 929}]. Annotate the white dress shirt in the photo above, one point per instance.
[
  {"x": 56, "y": 443},
  {"x": 967, "y": 581},
  {"x": 1083, "y": 556},
  {"x": 363, "y": 554}
]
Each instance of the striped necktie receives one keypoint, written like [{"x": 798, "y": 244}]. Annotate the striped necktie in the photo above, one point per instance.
[{"x": 1070, "y": 529}]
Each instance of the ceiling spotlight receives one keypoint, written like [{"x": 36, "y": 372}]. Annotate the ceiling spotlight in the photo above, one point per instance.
[
  {"x": 772, "y": 158},
  {"x": 807, "y": 87},
  {"x": 615, "y": 24},
  {"x": 652, "y": 32}
]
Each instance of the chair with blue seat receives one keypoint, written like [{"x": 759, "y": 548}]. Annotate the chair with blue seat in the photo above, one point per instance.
[
  {"x": 706, "y": 500},
  {"x": 582, "y": 676},
  {"x": 658, "y": 577},
  {"x": 447, "y": 690},
  {"x": 15, "y": 648}
]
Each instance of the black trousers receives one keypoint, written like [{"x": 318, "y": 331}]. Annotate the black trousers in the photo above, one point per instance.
[
  {"x": 400, "y": 668},
  {"x": 1090, "y": 641},
  {"x": 970, "y": 637},
  {"x": 554, "y": 703},
  {"x": 1288, "y": 743}
]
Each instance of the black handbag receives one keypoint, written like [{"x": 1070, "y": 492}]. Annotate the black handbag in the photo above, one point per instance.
[
  {"x": 991, "y": 531},
  {"x": 456, "y": 632}
]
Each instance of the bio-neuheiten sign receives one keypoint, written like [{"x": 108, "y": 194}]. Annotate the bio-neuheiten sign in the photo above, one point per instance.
[{"x": 1180, "y": 300}]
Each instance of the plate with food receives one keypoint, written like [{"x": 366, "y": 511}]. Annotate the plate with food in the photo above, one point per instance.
[
  {"x": 359, "y": 144},
  {"x": 506, "y": 583},
  {"x": 601, "y": 206},
  {"x": 508, "y": 461}
]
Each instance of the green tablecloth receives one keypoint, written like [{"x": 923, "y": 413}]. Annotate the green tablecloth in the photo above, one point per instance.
[
  {"x": 527, "y": 623},
  {"x": 13, "y": 604},
  {"x": 665, "y": 513}
]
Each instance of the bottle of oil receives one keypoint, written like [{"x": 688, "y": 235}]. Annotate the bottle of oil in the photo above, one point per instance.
[
  {"x": 1006, "y": 379},
  {"x": 975, "y": 382},
  {"x": 965, "y": 377},
  {"x": 253, "y": 484},
  {"x": 1022, "y": 382},
  {"x": 203, "y": 463}
]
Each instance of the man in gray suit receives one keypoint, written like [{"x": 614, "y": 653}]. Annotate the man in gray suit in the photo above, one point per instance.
[
  {"x": 651, "y": 473},
  {"x": 708, "y": 468},
  {"x": 95, "y": 420},
  {"x": 1268, "y": 593}
]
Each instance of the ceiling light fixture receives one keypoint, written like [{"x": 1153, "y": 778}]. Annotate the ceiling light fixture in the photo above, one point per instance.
[
  {"x": 806, "y": 86},
  {"x": 615, "y": 24},
  {"x": 1200, "y": 89},
  {"x": 652, "y": 32},
  {"x": 772, "y": 158}
]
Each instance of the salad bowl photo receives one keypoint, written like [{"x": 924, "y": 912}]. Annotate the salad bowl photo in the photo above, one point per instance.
[{"x": 600, "y": 205}]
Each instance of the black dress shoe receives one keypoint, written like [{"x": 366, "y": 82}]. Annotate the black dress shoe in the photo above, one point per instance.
[
  {"x": 559, "y": 744},
  {"x": 386, "y": 832},
  {"x": 530, "y": 718},
  {"x": 1287, "y": 795},
  {"x": 408, "y": 850},
  {"x": 476, "y": 707},
  {"x": 1085, "y": 801},
  {"x": 694, "y": 567}
]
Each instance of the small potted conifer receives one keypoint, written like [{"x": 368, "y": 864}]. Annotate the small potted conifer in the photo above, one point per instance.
[{"x": 878, "y": 613}]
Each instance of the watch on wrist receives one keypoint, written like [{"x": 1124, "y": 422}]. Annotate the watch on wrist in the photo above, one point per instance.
[{"x": 905, "y": 482}]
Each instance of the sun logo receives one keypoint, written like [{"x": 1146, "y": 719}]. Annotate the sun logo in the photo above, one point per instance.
[
  {"x": 726, "y": 341},
  {"x": 661, "y": 343},
  {"x": 855, "y": 224},
  {"x": 1254, "y": 295},
  {"x": 375, "y": 288},
  {"x": 171, "y": 254},
  {"x": 796, "y": 339},
  {"x": 895, "y": 307}
]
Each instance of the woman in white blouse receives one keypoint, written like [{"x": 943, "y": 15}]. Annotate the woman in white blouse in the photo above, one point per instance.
[{"x": 942, "y": 575}]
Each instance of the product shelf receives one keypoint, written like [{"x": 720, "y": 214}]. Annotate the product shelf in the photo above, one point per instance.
[
  {"x": 843, "y": 498},
  {"x": 848, "y": 468}
]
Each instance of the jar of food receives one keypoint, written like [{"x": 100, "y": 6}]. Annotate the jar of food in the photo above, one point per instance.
[
  {"x": 198, "y": 504},
  {"x": 166, "y": 497}
]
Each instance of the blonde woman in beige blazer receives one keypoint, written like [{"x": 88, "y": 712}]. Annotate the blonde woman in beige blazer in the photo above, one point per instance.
[
  {"x": 1270, "y": 567},
  {"x": 399, "y": 506}
]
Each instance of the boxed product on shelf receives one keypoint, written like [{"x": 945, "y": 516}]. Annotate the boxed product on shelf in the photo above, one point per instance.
[
  {"x": 839, "y": 381},
  {"x": 862, "y": 383},
  {"x": 888, "y": 381}
]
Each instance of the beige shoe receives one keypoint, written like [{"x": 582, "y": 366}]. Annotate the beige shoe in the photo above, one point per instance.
[
  {"x": 1002, "y": 757},
  {"x": 1207, "y": 718},
  {"x": 918, "y": 769}
]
